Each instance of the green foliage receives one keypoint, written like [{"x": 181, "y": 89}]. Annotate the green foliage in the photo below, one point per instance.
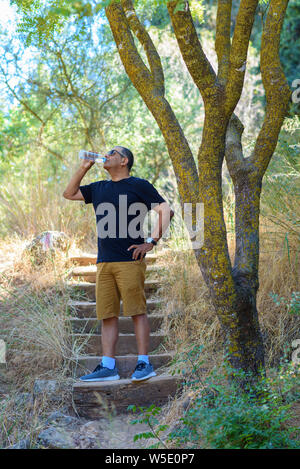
[
  {"x": 224, "y": 417},
  {"x": 290, "y": 41},
  {"x": 38, "y": 21},
  {"x": 197, "y": 10},
  {"x": 42, "y": 17},
  {"x": 189, "y": 363},
  {"x": 180, "y": 6},
  {"x": 149, "y": 417},
  {"x": 292, "y": 304},
  {"x": 75, "y": 95},
  {"x": 221, "y": 415}
]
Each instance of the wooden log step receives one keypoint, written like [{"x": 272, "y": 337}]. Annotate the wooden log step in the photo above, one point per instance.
[
  {"x": 89, "y": 259},
  {"x": 87, "y": 273},
  {"x": 89, "y": 288},
  {"x": 91, "y": 343},
  {"x": 92, "y": 399},
  {"x": 125, "y": 363},
  {"x": 126, "y": 324},
  {"x": 85, "y": 258},
  {"x": 87, "y": 309}
]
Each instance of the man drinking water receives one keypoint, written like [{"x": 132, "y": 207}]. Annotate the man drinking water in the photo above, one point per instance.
[{"x": 121, "y": 251}]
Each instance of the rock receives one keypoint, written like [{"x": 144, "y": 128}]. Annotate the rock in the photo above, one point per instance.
[
  {"x": 45, "y": 386},
  {"x": 56, "y": 438},
  {"x": 85, "y": 442},
  {"x": 186, "y": 403},
  {"x": 50, "y": 388},
  {"x": 62, "y": 419},
  {"x": 47, "y": 241},
  {"x": 23, "y": 399},
  {"x": 22, "y": 444},
  {"x": 91, "y": 429},
  {"x": 4, "y": 384}
]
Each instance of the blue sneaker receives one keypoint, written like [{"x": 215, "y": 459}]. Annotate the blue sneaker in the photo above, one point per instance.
[
  {"x": 142, "y": 371},
  {"x": 101, "y": 373}
]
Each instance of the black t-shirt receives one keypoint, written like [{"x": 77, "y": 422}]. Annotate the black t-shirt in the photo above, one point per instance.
[{"x": 120, "y": 208}]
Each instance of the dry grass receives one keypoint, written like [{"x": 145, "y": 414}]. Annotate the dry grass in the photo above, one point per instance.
[
  {"x": 43, "y": 208},
  {"x": 190, "y": 317},
  {"x": 23, "y": 418},
  {"x": 279, "y": 274},
  {"x": 33, "y": 323},
  {"x": 34, "y": 315}
]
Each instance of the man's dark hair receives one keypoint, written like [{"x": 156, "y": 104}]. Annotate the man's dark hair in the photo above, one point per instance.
[{"x": 129, "y": 155}]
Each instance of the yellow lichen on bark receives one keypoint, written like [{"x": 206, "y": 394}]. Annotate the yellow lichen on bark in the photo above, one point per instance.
[
  {"x": 222, "y": 42},
  {"x": 238, "y": 53},
  {"x": 233, "y": 289},
  {"x": 277, "y": 90}
]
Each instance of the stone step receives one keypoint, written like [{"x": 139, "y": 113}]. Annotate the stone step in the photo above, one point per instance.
[
  {"x": 88, "y": 259},
  {"x": 126, "y": 325},
  {"x": 87, "y": 273},
  {"x": 92, "y": 400},
  {"x": 91, "y": 343},
  {"x": 89, "y": 288},
  {"x": 125, "y": 363},
  {"x": 87, "y": 309}
]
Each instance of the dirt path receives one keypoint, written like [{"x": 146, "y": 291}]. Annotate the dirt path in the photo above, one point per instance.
[{"x": 118, "y": 433}]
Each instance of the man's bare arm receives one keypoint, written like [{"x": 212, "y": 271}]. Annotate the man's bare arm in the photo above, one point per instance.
[
  {"x": 72, "y": 191},
  {"x": 165, "y": 215}
]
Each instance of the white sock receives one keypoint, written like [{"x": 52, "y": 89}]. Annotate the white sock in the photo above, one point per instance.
[
  {"x": 144, "y": 358},
  {"x": 109, "y": 362}
]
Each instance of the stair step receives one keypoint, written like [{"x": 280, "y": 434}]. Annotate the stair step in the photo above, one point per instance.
[
  {"x": 87, "y": 309},
  {"x": 89, "y": 288},
  {"x": 88, "y": 259},
  {"x": 126, "y": 343},
  {"x": 92, "y": 399},
  {"x": 125, "y": 363},
  {"x": 88, "y": 272},
  {"x": 126, "y": 324}
]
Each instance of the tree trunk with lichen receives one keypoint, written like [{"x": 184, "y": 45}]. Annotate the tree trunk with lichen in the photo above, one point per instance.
[{"x": 233, "y": 289}]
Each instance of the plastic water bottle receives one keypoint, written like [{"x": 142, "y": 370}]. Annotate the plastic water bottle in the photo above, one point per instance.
[{"x": 92, "y": 156}]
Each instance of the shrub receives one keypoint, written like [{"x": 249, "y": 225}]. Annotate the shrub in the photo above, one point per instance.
[{"x": 223, "y": 416}]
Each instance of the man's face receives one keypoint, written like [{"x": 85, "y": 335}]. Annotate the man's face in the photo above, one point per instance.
[{"x": 115, "y": 160}]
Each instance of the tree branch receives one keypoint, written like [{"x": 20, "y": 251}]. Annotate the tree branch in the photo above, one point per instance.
[
  {"x": 146, "y": 41},
  {"x": 222, "y": 42},
  {"x": 187, "y": 36},
  {"x": 238, "y": 53},
  {"x": 235, "y": 160},
  {"x": 153, "y": 96},
  {"x": 53, "y": 152},
  {"x": 21, "y": 101},
  {"x": 135, "y": 67},
  {"x": 78, "y": 98},
  {"x": 111, "y": 98},
  {"x": 196, "y": 61},
  {"x": 276, "y": 87}
]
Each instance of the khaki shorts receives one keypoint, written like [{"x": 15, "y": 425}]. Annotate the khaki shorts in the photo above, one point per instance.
[{"x": 120, "y": 280}]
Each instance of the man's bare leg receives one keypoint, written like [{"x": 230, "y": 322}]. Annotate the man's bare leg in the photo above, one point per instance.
[
  {"x": 109, "y": 336},
  {"x": 142, "y": 333}
]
